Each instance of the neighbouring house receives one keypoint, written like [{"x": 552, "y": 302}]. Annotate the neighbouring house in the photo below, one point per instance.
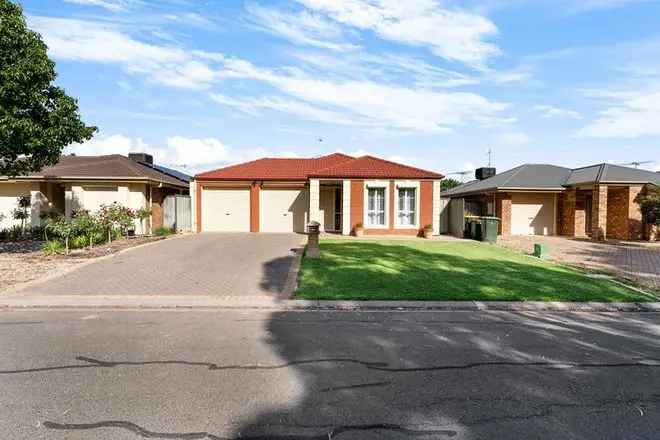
[
  {"x": 597, "y": 201},
  {"x": 339, "y": 191},
  {"x": 87, "y": 182}
]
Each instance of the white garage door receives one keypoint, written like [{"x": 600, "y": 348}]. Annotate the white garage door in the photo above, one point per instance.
[
  {"x": 532, "y": 214},
  {"x": 225, "y": 210},
  {"x": 283, "y": 210}
]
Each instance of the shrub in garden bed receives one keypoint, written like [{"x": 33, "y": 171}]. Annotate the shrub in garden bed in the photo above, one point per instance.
[{"x": 163, "y": 231}]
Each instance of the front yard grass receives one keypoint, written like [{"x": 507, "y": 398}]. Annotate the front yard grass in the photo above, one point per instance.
[{"x": 446, "y": 271}]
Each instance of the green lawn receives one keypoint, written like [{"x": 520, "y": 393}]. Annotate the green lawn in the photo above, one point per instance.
[{"x": 439, "y": 270}]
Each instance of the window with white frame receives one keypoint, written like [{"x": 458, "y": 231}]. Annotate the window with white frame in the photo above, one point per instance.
[
  {"x": 407, "y": 206},
  {"x": 376, "y": 207}
]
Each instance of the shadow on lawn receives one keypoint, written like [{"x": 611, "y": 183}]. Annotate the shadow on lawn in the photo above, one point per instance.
[{"x": 367, "y": 270}]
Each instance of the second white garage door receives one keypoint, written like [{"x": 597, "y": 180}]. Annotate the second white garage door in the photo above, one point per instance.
[
  {"x": 532, "y": 214},
  {"x": 225, "y": 210},
  {"x": 283, "y": 210}
]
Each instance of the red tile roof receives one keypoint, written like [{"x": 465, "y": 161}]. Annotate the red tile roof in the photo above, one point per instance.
[
  {"x": 335, "y": 165},
  {"x": 369, "y": 167},
  {"x": 274, "y": 168}
]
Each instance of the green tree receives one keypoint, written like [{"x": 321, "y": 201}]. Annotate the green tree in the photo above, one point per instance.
[
  {"x": 21, "y": 212},
  {"x": 63, "y": 229},
  {"x": 649, "y": 202},
  {"x": 448, "y": 184},
  {"x": 37, "y": 119}
]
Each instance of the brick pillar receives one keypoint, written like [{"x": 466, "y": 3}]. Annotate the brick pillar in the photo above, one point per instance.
[
  {"x": 504, "y": 213},
  {"x": 254, "y": 207},
  {"x": 599, "y": 213},
  {"x": 357, "y": 202},
  {"x": 568, "y": 212},
  {"x": 635, "y": 224}
]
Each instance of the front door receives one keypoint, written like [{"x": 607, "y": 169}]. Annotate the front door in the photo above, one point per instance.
[{"x": 338, "y": 205}]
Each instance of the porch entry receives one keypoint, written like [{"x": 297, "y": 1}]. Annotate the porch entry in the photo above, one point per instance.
[{"x": 331, "y": 207}]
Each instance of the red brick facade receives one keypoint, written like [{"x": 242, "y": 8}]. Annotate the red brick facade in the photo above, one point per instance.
[
  {"x": 254, "y": 207},
  {"x": 614, "y": 213},
  {"x": 357, "y": 202},
  {"x": 503, "y": 211},
  {"x": 425, "y": 208}
]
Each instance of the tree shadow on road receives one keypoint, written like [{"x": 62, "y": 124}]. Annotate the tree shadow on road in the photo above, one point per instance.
[{"x": 464, "y": 375}]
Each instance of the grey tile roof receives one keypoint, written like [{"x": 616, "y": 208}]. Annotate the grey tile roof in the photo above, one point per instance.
[
  {"x": 549, "y": 177},
  {"x": 538, "y": 176}
]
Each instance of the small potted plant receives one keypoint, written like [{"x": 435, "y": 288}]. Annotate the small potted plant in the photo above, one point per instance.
[
  {"x": 359, "y": 230},
  {"x": 427, "y": 231}
]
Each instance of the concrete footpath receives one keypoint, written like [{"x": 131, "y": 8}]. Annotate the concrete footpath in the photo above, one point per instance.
[{"x": 270, "y": 303}]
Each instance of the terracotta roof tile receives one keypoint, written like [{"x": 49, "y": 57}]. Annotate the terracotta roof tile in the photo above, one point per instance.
[
  {"x": 275, "y": 168},
  {"x": 369, "y": 167}
]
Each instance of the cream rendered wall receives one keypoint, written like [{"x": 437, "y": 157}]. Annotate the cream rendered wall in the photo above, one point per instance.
[
  {"x": 9, "y": 192},
  {"x": 437, "y": 207},
  {"x": 346, "y": 208},
  {"x": 193, "y": 205},
  {"x": 314, "y": 202}
]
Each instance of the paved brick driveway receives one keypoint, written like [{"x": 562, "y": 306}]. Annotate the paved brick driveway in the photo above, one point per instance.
[
  {"x": 639, "y": 261},
  {"x": 202, "y": 264}
]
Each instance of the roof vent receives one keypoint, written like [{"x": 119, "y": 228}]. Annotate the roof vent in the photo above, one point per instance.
[
  {"x": 141, "y": 157},
  {"x": 484, "y": 173}
]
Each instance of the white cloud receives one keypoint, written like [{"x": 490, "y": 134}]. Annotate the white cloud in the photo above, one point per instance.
[
  {"x": 628, "y": 117},
  {"x": 195, "y": 152},
  {"x": 513, "y": 138},
  {"x": 190, "y": 155},
  {"x": 549, "y": 111},
  {"x": 111, "y": 5},
  {"x": 79, "y": 40},
  {"x": 376, "y": 104},
  {"x": 114, "y": 144},
  {"x": 590, "y": 5},
  {"x": 451, "y": 34},
  {"x": 301, "y": 28},
  {"x": 252, "y": 106},
  {"x": 317, "y": 95}
]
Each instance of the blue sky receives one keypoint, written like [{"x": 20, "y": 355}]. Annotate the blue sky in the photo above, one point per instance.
[{"x": 432, "y": 83}]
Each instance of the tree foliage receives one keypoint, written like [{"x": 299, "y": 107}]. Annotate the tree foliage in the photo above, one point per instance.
[
  {"x": 37, "y": 119},
  {"x": 448, "y": 184},
  {"x": 649, "y": 203}
]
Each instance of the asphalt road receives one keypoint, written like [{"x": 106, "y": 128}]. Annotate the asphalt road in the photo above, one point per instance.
[{"x": 320, "y": 375}]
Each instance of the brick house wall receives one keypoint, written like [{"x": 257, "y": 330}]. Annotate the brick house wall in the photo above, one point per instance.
[
  {"x": 599, "y": 212},
  {"x": 635, "y": 223},
  {"x": 503, "y": 211},
  {"x": 255, "y": 188},
  {"x": 357, "y": 203},
  {"x": 617, "y": 214},
  {"x": 425, "y": 209}
]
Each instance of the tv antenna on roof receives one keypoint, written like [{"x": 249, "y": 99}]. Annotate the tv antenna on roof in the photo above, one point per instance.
[
  {"x": 461, "y": 173},
  {"x": 490, "y": 156},
  {"x": 636, "y": 164}
]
